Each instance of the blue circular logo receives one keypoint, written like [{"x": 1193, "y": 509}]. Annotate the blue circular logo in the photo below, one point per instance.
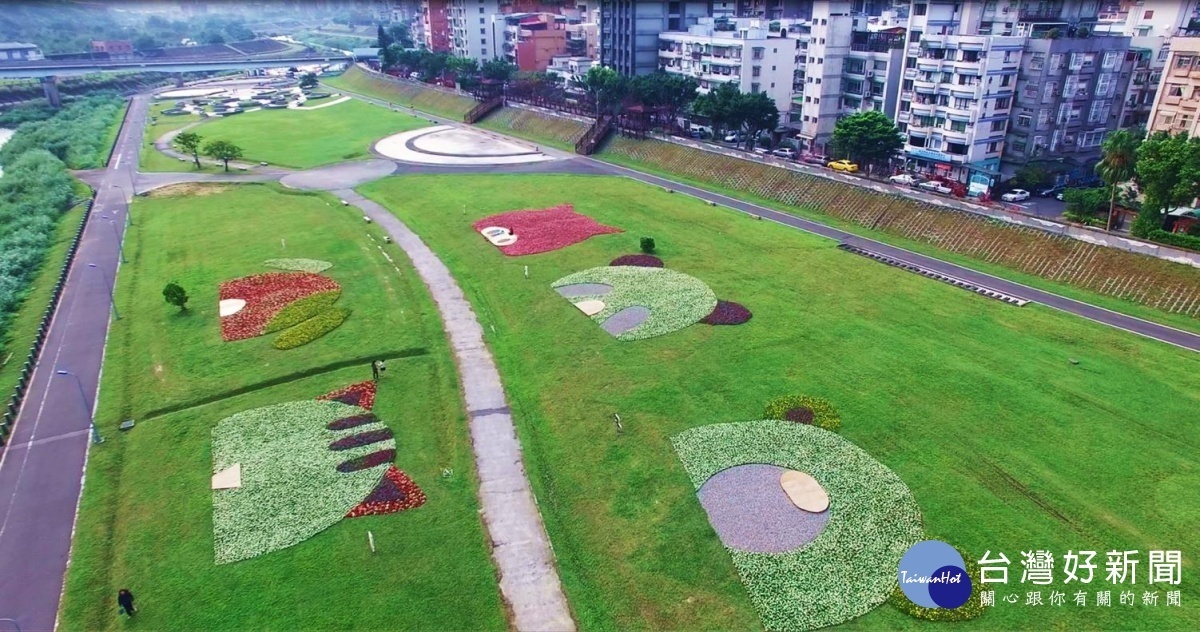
[{"x": 933, "y": 575}]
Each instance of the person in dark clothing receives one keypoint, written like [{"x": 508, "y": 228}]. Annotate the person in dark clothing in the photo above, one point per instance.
[
  {"x": 125, "y": 601},
  {"x": 375, "y": 370}
]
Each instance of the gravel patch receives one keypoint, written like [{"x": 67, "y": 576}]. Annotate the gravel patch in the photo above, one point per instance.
[
  {"x": 583, "y": 289},
  {"x": 625, "y": 320},
  {"x": 750, "y": 512}
]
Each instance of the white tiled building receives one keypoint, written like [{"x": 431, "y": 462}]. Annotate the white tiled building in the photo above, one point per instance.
[{"x": 472, "y": 30}]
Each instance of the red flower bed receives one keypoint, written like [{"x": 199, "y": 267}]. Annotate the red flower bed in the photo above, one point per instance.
[
  {"x": 265, "y": 295},
  {"x": 727, "y": 313},
  {"x": 361, "y": 395},
  {"x": 644, "y": 261},
  {"x": 395, "y": 492},
  {"x": 544, "y": 230}
]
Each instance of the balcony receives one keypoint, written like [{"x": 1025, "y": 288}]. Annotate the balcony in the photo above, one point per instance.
[
  {"x": 903, "y": 117},
  {"x": 1027, "y": 14}
]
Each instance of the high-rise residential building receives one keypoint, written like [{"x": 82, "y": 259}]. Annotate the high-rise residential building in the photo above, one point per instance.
[
  {"x": 755, "y": 55},
  {"x": 1178, "y": 101},
  {"x": 629, "y": 31},
  {"x": 531, "y": 40},
  {"x": 474, "y": 29},
  {"x": 992, "y": 86},
  {"x": 817, "y": 86},
  {"x": 434, "y": 23}
]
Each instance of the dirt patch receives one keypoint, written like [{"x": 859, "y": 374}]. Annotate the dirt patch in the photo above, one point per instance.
[{"x": 189, "y": 189}]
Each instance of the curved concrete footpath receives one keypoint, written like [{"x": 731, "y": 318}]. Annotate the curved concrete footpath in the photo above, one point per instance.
[{"x": 528, "y": 579}]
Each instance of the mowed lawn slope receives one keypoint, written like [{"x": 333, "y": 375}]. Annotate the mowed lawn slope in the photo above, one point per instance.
[
  {"x": 146, "y": 515},
  {"x": 975, "y": 404},
  {"x": 302, "y": 139}
]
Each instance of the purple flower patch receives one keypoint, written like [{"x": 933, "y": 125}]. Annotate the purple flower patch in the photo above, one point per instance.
[
  {"x": 386, "y": 491},
  {"x": 643, "y": 261},
  {"x": 800, "y": 415},
  {"x": 361, "y": 439},
  {"x": 345, "y": 423},
  {"x": 727, "y": 313},
  {"x": 368, "y": 461}
]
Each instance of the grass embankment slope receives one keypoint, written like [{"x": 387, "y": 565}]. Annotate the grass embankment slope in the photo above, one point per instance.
[
  {"x": 145, "y": 519},
  {"x": 974, "y": 403},
  {"x": 408, "y": 94}
]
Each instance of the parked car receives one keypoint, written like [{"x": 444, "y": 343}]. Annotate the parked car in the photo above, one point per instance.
[
  {"x": 814, "y": 159},
  {"x": 935, "y": 187},
  {"x": 734, "y": 138},
  {"x": 1016, "y": 195},
  {"x": 843, "y": 165},
  {"x": 905, "y": 179},
  {"x": 785, "y": 152},
  {"x": 1052, "y": 191},
  {"x": 1059, "y": 197}
]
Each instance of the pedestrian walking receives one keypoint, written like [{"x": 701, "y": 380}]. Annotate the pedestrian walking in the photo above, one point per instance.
[
  {"x": 375, "y": 370},
  {"x": 125, "y": 602},
  {"x": 382, "y": 367}
]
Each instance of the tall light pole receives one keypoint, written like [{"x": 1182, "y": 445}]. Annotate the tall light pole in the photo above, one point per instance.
[
  {"x": 112, "y": 296},
  {"x": 120, "y": 245},
  {"x": 96, "y": 438},
  {"x": 128, "y": 199}
]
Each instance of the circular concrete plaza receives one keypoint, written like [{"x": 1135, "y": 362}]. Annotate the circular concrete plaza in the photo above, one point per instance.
[{"x": 455, "y": 146}]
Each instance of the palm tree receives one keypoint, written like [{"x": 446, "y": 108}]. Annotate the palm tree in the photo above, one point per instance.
[{"x": 1118, "y": 164}]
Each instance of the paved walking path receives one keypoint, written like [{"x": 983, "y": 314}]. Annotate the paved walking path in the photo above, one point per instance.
[
  {"x": 520, "y": 547},
  {"x": 40, "y": 469}
]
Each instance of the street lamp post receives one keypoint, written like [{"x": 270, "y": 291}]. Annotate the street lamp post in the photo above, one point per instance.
[
  {"x": 127, "y": 199},
  {"x": 96, "y": 438},
  {"x": 120, "y": 245},
  {"x": 112, "y": 296}
]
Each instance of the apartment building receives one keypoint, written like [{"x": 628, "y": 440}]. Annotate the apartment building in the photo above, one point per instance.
[
  {"x": 629, "y": 31},
  {"x": 531, "y": 40},
  {"x": 744, "y": 52},
  {"x": 1178, "y": 101},
  {"x": 473, "y": 32},
  {"x": 872, "y": 70},
  {"x": 433, "y": 23},
  {"x": 817, "y": 78}
]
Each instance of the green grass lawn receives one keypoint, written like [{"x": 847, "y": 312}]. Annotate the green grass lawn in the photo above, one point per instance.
[
  {"x": 151, "y": 159},
  {"x": 975, "y": 404},
  {"x": 21, "y": 331},
  {"x": 409, "y": 94},
  {"x": 146, "y": 515},
  {"x": 302, "y": 139}
]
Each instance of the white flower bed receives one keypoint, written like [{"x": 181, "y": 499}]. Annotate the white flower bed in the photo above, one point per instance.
[
  {"x": 675, "y": 299},
  {"x": 300, "y": 265},
  {"x": 851, "y": 567},
  {"x": 291, "y": 489}
]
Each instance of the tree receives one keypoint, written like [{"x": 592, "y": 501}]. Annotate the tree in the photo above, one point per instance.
[
  {"x": 497, "y": 70},
  {"x": 1168, "y": 173},
  {"x": 222, "y": 150},
  {"x": 400, "y": 34},
  {"x": 143, "y": 43},
  {"x": 756, "y": 113},
  {"x": 1086, "y": 205},
  {"x": 176, "y": 295},
  {"x": 669, "y": 92},
  {"x": 190, "y": 143},
  {"x": 604, "y": 85},
  {"x": 383, "y": 38},
  {"x": 308, "y": 80},
  {"x": 867, "y": 138},
  {"x": 721, "y": 106},
  {"x": 1118, "y": 164}
]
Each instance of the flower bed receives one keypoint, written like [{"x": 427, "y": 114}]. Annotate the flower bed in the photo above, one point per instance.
[
  {"x": 644, "y": 261},
  {"x": 851, "y": 567},
  {"x": 544, "y": 230},
  {"x": 299, "y": 265},
  {"x": 806, "y": 410},
  {"x": 396, "y": 492},
  {"x": 367, "y": 461},
  {"x": 353, "y": 421},
  {"x": 675, "y": 300},
  {"x": 293, "y": 486},
  {"x": 727, "y": 313},
  {"x": 361, "y": 394},
  {"x": 301, "y": 310},
  {"x": 361, "y": 439},
  {"x": 312, "y": 328},
  {"x": 265, "y": 295}
]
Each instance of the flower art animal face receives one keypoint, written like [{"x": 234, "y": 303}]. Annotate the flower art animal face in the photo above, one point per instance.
[
  {"x": 519, "y": 233},
  {"x": 299, "y": 304}
]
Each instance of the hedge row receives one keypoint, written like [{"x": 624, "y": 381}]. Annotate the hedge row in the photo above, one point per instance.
[
  {"x": 1178, "y": 240},
  {"x": 1142, "y": 279}
]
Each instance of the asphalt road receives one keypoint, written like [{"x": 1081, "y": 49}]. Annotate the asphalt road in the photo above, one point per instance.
[{"x": 41, "y": 468}]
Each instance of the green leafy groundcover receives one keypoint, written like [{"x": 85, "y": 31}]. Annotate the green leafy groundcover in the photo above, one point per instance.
[
  {"x": 300, "y": 265},
  {"x": 291, "y": 488},
  {"x": 851, "y": 567},
  {"x": 301, "y": 310},
  {"x": 823, "y": 414},
  {"x": 312, "y": 328},
  {"x": 675, "y": 299}
]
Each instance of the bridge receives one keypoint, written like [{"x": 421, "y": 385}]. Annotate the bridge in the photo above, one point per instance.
[{"x": 49, "y": 70}]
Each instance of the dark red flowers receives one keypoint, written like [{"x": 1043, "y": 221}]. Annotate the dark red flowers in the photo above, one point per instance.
[
  {"x": 727, "y": 313},
  {"x": 644, "y": 261},
  {"x": 395, "y": 492},
  {"x": 367, "y": 462},
  {"x": 361, "y": 395},
  {"x": 265, "y": 295},
  {"x": 544, "y": 230}
]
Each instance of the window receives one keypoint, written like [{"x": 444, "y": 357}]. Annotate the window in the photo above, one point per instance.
[
  {"x": 1064, "y": 110},
  {"x": 1105, "y": 85},
  {"x": 961, "y": 103},
  {"x": 1070, "y": 85},
  {"x": 1076, "y": 61},
  {"x": 1008, "y": 56},
  {"x": 818, "y": 80},
  {"x": 993, "y": 147},
  {"x": 919, "y": 9},
  {"x": 483, "y": 31},
  {"x": 1148, "y": 15},
  {"x": 817, "y": 100},
  {"x": 822, "y": 40},
  {"x": 1049, "y": 89},
  {"x": 820, "y": 60},
  {"x": 1056, "y": 61},
  {"x": 998, "y": 126},
  {"x": 1003, "y": 103},
  {"x": 754, "y": 88},
  {"x": 1024, "y": 120},
  {"x": 1096, "y": 112},
  {"x": 1005, "y": 81},
  {"x": 1091, "y": 139},
  {"x": 758, "y": 52},
  {"x": 1183, "y": 61},
  {"x": 481, "y": 20},
  {"x": 481, "y": 9},
  {"x": 1019, "y": 145},
  {"x": 880, "y": 64},
  {"x": 1089, "y": 61},
  {"x": 1037, "y": 61},
  {"x": 1043, "y": 117},
  {"x": 756, "y": 71},
  {"x": 1163, "y": 53},
  {"x": 1174, "y": 89},
  {"x": 1110, "y": 59},
  {"x": 958, "y": 126}
]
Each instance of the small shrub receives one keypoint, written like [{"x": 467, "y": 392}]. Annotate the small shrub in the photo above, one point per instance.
[
  {"x": 648, "y": 245},
  {"x": 1178, "y": 240},
  {"x": 804, "y": 409},
  {"x": 312, "y": 328},
  {"x": 970, "y": 610},
  {"x": 174, "y": 294}
]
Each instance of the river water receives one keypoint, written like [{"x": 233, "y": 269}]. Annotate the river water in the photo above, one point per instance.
[{"x": 5, "y": 134}]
